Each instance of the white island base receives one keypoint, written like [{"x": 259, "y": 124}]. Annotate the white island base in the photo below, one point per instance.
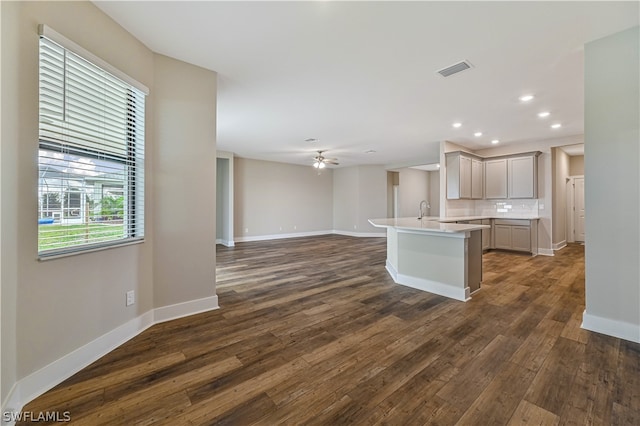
[{"x": 445, "y": 259}]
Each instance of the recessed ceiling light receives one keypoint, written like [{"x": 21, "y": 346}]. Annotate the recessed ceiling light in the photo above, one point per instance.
[
  {"x": 526, "y": 98},
  {"x": 456, "y": 125},
  {"x": 311, "y": 140},
  {"x": 477, "y": 134},
  {"x": 543, "y": 114},
  {"x": 556, "y": 126},
  {"x": 495, "y": 141},
  {"x": 438, "y": 165}
]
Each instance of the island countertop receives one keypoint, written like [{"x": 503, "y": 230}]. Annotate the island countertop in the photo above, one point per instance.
[{"x": 430, "y": 224}]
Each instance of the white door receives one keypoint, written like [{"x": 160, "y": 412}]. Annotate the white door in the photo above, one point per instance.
[{"x": 578, "y": 203}]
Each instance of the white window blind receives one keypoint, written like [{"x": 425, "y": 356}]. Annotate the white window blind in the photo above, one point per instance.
[{"x": 91, "y": 156}]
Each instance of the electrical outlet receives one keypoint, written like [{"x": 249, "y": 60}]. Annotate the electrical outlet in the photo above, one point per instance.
[
  {"x": 246, "y": 230},
  {"x": 295, "y": 227},
  {"x": 281, "y": 228},
  {"x": 131, "y": 297},
  {"x": 355, "y": 226}
]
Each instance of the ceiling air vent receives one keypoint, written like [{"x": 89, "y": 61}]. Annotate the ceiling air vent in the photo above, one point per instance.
[{"x": 455, "y": 68}]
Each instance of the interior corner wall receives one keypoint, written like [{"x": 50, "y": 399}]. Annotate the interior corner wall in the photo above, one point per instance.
[
  {"x": 612, "y": 195},
  {"x": 559, "y": 176},
  {"x": 372, "y": 198},
  {"x": 359, "y": 194},
  {"x": 277, "y": 199},
  {"x": 59, "y": 305},
  {"x": 184, "y": 183}
]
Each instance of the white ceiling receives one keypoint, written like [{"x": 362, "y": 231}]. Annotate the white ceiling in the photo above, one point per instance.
[{"x": 361, "y": 76}]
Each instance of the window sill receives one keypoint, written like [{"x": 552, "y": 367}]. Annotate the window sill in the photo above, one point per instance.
[{"x": 52, "y": 256}]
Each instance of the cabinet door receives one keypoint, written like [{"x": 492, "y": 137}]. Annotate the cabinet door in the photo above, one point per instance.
[
  {"x": 521, "y": 238},
  {"x": 522, "y": 177},
  {"x": 502, "y": 236},
  {"x": 477, "y": 178},
  {"x": 465, "y": 177},
  {"x": 453, "y": 177},
  {"x": 495, "y": 178}
]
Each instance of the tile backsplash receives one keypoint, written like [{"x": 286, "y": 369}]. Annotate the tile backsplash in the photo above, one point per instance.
[
  {"x": 511, "y": 208},
  {"x": 496, "y": 208}
]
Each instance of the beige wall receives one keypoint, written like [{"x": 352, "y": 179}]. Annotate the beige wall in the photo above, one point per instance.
[
  {"x": 345, "y": 199},
  {"x": 434, "y": 193},
  {"x": 413, "y": 188},
  {"x": 184, "y": 186},
  {"x": 276, "y": 198},
  {"x": 612, "y": 199},
  {"x": 559, "y": 175},
  {"x": 51, "y": 308},
  {"x": 576, "y": 165},
  {"x": 359, "y": 194},
  {"x": 60, "y": 304}
]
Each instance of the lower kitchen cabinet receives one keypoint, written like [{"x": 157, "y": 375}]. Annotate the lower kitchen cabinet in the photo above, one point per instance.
[
  {"x": 516, "y": 234},
  {"x": 521, "y": 238}
]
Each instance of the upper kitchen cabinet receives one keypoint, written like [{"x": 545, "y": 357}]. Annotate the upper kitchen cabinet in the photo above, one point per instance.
[
  {"x": 523, "y": 176},
  {"x": 512, "y": 177},
  {"x": 495, "y": 178},
  {"x": 464, "y": 176},
  {"x": 477, "y": 179}
]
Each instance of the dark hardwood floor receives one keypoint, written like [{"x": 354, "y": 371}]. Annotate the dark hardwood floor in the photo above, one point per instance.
[{"x": 313, "y": 331}]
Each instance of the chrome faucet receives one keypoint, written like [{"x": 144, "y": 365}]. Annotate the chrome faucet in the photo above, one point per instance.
[{"x": 422, "y": 210}]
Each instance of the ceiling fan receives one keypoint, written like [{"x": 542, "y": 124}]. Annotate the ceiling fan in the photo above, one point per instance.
[{"x": 320, "y": 162}]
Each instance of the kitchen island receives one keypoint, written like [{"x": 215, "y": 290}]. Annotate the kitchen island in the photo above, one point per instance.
[{"x": 441, "y": 258}]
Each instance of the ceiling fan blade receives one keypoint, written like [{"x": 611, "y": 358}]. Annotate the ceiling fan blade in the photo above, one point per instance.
[{"x": 335, "y": 163}]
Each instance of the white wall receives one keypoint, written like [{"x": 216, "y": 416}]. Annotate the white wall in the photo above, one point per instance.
[
  {"x": 184, "y": 185},
  {"x": 274, "y": 199},
  {"x": 612, "y": 195},
  {"x": 359, "y": 194}
]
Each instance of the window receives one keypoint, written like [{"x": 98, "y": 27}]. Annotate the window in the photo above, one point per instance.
[{"x": 91, "y": 152}]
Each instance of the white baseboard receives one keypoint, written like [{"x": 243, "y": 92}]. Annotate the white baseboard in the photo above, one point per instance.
[
  {"x": 40, "y": 381},
  {"x": 281, "y": 236},
  {"x": 184, "y": 309},
  {"x": 225, "y": 243},
  {"x": 560, "y": 245},
  {"x": 611, "y": 327},
  {"x": 360, "y": 234},
  {"x": 309, "y": 234},
  {"x": 427, "y": 285},
  {"x": 545, "y": 252}
]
